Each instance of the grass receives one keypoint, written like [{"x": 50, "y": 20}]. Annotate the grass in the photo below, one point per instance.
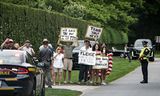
[
  {"x": 157, "y": 54},
  {"x": 61, "y": 92},
  {"x": 121, "y": 67}
]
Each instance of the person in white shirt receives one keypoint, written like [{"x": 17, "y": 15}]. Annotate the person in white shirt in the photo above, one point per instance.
[
  {"x": 58, "y": 64},
  {"x": 26, "y": 47},
  {"x": 83, "y": 74}
]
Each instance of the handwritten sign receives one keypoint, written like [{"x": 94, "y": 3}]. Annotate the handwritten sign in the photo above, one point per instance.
[
  {"x": 87, "y": 58},
  {"x": 68, "y": 34},
  {"x": 93, "y": 32},
  {"x": 101, "y": 62}
]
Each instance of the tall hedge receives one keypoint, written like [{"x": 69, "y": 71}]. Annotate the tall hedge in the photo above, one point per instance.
[{"x": 22, "y": 22}]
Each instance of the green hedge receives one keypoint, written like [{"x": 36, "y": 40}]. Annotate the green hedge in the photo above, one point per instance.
[{"x": 22, "y": 22}]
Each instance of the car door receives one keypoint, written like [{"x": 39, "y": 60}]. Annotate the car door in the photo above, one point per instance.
[{"x": 38, "y": 72}]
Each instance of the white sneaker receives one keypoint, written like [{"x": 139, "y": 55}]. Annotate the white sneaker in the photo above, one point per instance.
[
  {"x": 65, "y": 82},
  {"x": 103, "y": 83},
  {"x": 91, "y": 82},
  {"x": 70, "y": 82}
]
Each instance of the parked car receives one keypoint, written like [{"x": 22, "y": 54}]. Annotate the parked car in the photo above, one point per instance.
[
  {"x": 76, "y": 52},
  {"x": 20, "y": 74},
  {"x": 138, "y": 46}
]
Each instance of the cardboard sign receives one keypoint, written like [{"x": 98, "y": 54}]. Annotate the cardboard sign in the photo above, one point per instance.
[
  {"x": 68, "y": 34},
  {"x": 101, "y": 62},
  {"x": 87, "y": 57},
  {"x": 93, "y": 32}
]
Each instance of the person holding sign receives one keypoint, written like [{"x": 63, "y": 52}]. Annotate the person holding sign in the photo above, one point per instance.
[
  {"x": 84, "y": 68},
  {"x": 68, "y": 48},
  {"x": 95, "y": 71},
  {"x": 104, "y": 52}
]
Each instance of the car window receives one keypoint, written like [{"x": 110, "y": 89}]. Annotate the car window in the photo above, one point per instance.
[
  {"x": 14, "y": 57},
  {"x": 138, "y": 43},
  {"x": 29, "y": 59}
]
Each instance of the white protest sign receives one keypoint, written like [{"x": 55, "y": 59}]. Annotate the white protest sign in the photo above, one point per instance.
[
  {"x": 101, "y": 62},
  {"x": 87, "y": 57},
  {"x": 93, "y": 32},
  {"x": 68, "y": 34}
]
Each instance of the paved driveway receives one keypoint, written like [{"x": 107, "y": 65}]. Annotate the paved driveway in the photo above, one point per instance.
[{"x": 129, "y": 85}]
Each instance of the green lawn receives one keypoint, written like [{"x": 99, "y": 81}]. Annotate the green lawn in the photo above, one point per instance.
[
  {"x": 157, "y": 54},
  {"x": 121, "y": 67},
  {"x": 61, "y": 92}
]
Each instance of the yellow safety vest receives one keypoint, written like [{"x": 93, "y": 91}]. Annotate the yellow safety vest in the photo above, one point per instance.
[{"x": 144, "y": 53}]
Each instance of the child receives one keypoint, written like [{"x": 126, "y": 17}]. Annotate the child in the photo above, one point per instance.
[{"x": 57, "y": 64}]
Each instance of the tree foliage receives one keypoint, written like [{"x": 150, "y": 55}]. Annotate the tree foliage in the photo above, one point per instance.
[{"x": 116, "y": 15}]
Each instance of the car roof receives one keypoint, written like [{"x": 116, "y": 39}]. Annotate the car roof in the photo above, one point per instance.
[{"x": 11, "y": 51}]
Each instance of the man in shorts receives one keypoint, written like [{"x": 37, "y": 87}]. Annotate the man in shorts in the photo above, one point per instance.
[{"x": 68, "y": 48}]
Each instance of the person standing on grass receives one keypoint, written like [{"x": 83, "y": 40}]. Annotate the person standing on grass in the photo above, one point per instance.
[
  {"x": 68, "y": 48},
  {"x": 95, "y": 72},
  {"x": 144, "y": 62},
  {"x": 45, "y": 54},
  {"x": 83, "y": 73},
  {"x": 104, "y": 51},
  {"x": 57, "y": 64}
]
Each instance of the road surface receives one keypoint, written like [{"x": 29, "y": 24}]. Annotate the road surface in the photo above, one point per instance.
[{"x": 129, "y": 85}]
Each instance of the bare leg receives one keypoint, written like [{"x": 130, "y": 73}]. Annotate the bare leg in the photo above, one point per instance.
[
  {"x": 64, "y": 76},
  {"x": 69, "y": 75}
]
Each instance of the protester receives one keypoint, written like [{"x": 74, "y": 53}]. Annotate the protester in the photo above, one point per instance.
[
  {"x": 45, "y": 55},
  {"x": 68, "y": 48},
  {"x": 95, "y": 72},
  {"x": 27, "y": 47},
  {"x": 104, "y": 51},
  {"x": 16, "y": 45},
  {"x": 144, "y": 62},
  {"x": 57, "y": 64},
  {"x": 83, "y": 74},
  {"x": 8, "y": 44}
]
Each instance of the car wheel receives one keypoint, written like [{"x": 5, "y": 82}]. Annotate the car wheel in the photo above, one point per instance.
[
  {"x": 33, "y": 93},
  {"x": 43, "y": 90}
]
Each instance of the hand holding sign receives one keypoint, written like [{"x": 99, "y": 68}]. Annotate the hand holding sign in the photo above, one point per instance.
[
  {"x": 68, "y": 34},
  {"x": 93, "y": 32}
]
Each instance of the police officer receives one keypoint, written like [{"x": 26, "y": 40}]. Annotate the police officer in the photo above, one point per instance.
[{"x": 144, "y": 62}]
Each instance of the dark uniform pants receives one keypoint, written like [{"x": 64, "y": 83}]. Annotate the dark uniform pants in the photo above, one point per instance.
[
  {"x": 83, "y": 74},
  {"x": 144, "y": 65}
]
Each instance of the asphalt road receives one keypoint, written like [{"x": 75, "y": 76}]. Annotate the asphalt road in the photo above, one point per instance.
[{"x": 129, "y": 85}]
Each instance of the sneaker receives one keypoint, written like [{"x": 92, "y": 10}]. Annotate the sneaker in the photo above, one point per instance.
[
  {"x": 103, "y": 83},
  {"x": 70, "y": 82},
  {"x": 49, "y": 86},
  {"x": 65, "y": 82},
  {"x": 91, "y": 82}
]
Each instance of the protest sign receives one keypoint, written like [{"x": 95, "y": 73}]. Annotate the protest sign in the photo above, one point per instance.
[
  {"x": 93, "y": 32},
  {"x": 68, "y": 34},
  {"x": 101, "y": 62},
  {"x": 87, "y": 57}
]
